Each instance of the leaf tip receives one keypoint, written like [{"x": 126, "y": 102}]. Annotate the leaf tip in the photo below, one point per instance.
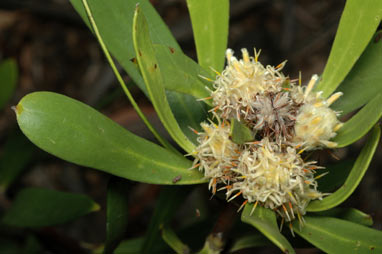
[
  {"x": 137, "y": 8},
  {"x": 95, "y": 207},
  {"x": 18, "y": 109}
]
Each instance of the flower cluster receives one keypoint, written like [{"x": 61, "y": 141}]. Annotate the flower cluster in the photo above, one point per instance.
[{"x": 285, "y": 118}]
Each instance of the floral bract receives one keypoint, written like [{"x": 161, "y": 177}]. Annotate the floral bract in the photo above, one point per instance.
[{"x": 285, "y": 118}]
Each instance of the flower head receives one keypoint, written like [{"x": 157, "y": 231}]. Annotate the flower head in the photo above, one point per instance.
[
  {"x": 241, "y": 81},
  {"x": 286, "y": 119},
  {"x": 274, "y": 114},
  {"x": 277, "y": 178},
  {"x": 216, "y": 153},
  {"x": 316, "y": 123}
]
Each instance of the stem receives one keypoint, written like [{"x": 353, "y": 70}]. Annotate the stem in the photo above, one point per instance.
[{"x": 120, "y": 80}]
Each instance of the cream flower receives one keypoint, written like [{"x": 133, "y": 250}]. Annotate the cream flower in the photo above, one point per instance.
[
  {"x": 216, "y": 153},
  {"x": 316, "y": 122},
  {"x": 286, "y": 119},
  {"x": 277, "y": 178},
  {"x": 239, "y": 83}
]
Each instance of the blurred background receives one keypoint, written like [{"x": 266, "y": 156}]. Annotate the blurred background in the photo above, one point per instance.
[{"x": 56, "y": 52}]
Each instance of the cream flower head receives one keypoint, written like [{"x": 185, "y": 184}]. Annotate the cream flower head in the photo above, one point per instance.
[
  {"x": 285, "y": 119},
  {"x": 316, "y": 122},
  {"x": 241, "y": 80},
  {"x": 277, "y": 178}
]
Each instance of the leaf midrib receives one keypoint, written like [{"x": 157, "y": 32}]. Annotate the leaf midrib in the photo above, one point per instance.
[{"x": 108, "y": 141}]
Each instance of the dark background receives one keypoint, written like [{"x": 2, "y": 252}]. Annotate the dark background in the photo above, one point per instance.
[{"x": 56, "y": 52}]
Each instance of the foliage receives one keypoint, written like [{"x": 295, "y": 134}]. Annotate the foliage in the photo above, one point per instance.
[{"x": 176, "y": 86}]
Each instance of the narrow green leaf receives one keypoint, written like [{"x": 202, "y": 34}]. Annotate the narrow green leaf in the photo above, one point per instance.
[
  {"x": 8, "y": 80},
  {"x": 360, "y": 123},
  {"x": 196, "y": 232},
  {"x": 134, "y": 245},
  {"x": 115, "y": 22},
  {"x": 108, "y": 56},
  {"x": 350, "y": 214},
  {"x": 354, "y": 178},
  {"x": 188, "y": 113},
  {"x": 364, "y": 80},
  {"x": 173, "y": 241},
  {"x": 17, "y": 153},
  {"x": 210, "y": 26},
  {"x": 335, "y": 236},
  {"x": 249, "y": 241},
  {"x": 358, "y": 23},
  {"x": 169, "y": 200},
  {"x": 240, "y": 133},
  {"x": 336, "y": 177},
  {"x": 131, "y": 246},
  {"x": 265, "y": 221},
  {"x": 151, "y": 72},
  {"x": 116, "y": 212},
  {"x": 181, "y": 77},
  {"x": 193, "y": 234},
  {"x": 36, "y": 207},
  {"x": 213, "y": 245},
  {"x": 181, "y": 73},
  {"x": 77, "y": 133}
]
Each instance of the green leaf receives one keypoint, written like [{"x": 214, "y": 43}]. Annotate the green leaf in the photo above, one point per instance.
[
  {"x": 240, "y": 133},
  {"x": 77, "y": 133},
  {"x": 196, "y": 232},
  {"x": 336, "y": 177},
  {"x": 36, "y": 207},
  {"x": 350, "y": 214},
  {"x": 151, "y": 72},
  {"x": 115, "y": 22},
  {"x": 188, "y": 112},
  {"x": 354, "y": 178},
  {"x": 213, "y": 245},
  {"x": 210, "y": 26},
  {"x": 265, "y": 221},
  {"x": 335, "y": 236},
  {"x": 194, "y": 235},
  {"x": 360, "y": 123},
  {"x": 116, "y": 212},
  {"x": 249, "y": 241},
  {"x": 358, "y": 23},
  {"x": 169, "y": 200},
  {"x": 106, "y": 52},
  {"x": 8, "y": 80},
  {"x": 134, "y": 245},
  {"x": 17, "y": 153},
  {"x": 181, "y": 73},
  {"x": 131, "y": 246},
  {"x": 364, "y": 80},
  {"x": 173, "y": 240}
]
